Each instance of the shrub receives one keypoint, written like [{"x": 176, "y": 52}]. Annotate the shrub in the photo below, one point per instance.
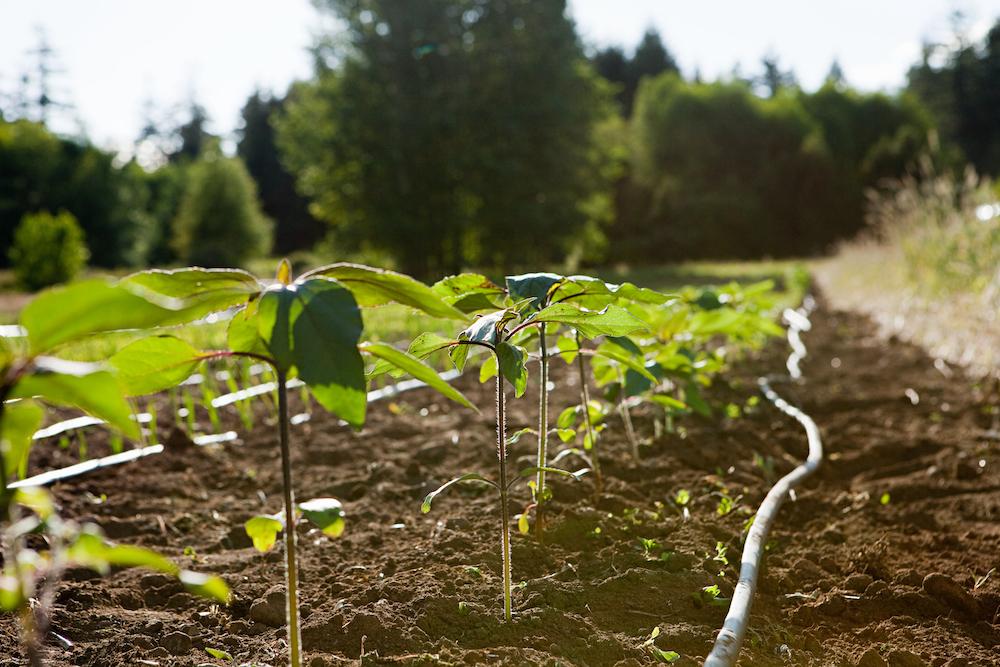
[
  {"x": 220, "y": 222},
  {"x": 47, "y": 249}
]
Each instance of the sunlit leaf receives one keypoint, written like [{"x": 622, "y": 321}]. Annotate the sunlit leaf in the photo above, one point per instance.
[
  {"x": 511, "y": 360},
  {"x": 425, "y": 507},
  {"x": 326, "y": 513},
  {"x": 205, "y": 585},
  {"x": 194, "y": 292},
  {"x": 263, "y": 530},
  {"x": 154, "y": 364},
  {"x": 417, "y": 369},
  {"x": 85, "y": 386},
  {"x": 20, "y": 421},
  {"x": 314, "y": 326},
  {"x": 374, "y": 287},
  {"x": 610, "y": 321},
  {"x": 66, "y": 313},
  {"x": 533, "y": 286},
  {"x": 469, "y": 292}
]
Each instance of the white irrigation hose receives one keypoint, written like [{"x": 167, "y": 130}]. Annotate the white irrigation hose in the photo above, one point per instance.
[
  {"x": 134, "y": 454},
  {"x": 730, "y": 638}
]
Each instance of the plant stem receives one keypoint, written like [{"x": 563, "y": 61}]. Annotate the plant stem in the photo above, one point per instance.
[
  {"x": 291, "y": 564},
  {"x": 543, "y": 436},
  {"x": 627, "y": 419},
  {"x": 595, "y": 462},
  {"x": 504, "y": 511}
]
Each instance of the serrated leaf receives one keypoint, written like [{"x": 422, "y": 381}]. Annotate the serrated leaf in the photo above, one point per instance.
[
  {"x": 20, "y": 421},
  {"x": 263, "y": 531},
  {"x": 326, "y": 513},
  {"x": 194, "y": 292},
  {"x": 417, "y": 369},
  {"x": 610, "y": 321},
  {"x": 511, "y": 361},
  {"x": 153, "y": 364},
  {"x": 469, "y": 292},
  {"x": 70, "y": 312},
  {"x": 374, "y": 287},
  {"x": 425, "y": 507},
  {"x": 84, "y": 386}
]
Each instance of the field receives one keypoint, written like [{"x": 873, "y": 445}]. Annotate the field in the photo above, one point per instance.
[{"x": 884, "y": 557}]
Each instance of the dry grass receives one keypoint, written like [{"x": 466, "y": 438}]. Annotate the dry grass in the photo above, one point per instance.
[{"x": 928, "y": 271}]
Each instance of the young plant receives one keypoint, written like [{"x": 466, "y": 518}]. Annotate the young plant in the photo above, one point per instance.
[
  {"x": 538, "y": 291},
  {"x": 499, "y": 333},
  {"x": 310, "y": 328},
  {"x": 29, "y": 378}
]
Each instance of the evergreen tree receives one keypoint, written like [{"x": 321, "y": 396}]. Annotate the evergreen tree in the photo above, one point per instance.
[{"x": 295, "y": 229}]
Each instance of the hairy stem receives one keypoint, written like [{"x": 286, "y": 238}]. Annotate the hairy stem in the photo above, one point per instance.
[
  {"x": 291, "y": 563},
  {"x": 595, "y": 462},
  {"x": 504, "y": 511},
  {"x": 543, "y": 436}
]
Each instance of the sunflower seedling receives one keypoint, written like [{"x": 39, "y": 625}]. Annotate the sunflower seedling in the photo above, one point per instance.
[{"x": 309, "y": 328}]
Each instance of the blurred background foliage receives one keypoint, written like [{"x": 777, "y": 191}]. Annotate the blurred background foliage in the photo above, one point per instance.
[{"x": 440, "y": 134}]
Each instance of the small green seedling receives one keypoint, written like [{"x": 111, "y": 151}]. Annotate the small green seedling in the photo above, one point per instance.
[
  {"x": 668, "y": 657},
  {"x": 308, "y": 327},
  {"x": 30, "y": 378}
]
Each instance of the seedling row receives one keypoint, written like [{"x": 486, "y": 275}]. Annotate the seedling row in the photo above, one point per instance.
[{"x": 626, "y": 345}]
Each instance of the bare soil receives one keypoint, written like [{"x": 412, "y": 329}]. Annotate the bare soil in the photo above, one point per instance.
[{"x": 879, "y": 560}]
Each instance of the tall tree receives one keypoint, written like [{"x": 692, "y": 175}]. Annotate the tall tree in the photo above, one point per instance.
[
  {"x": 451, "y": 132},
  {"x": 773, "y": 79},
  {"x": 295, "y": 229},
  {"x": 192, "y": 137},
  {"x": 649, "y": 59}
]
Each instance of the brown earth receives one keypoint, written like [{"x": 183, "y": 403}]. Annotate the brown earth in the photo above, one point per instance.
[{"x": 848, "y": 579}]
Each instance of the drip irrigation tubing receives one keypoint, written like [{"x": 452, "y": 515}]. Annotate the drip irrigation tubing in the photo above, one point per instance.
[
  {"x": 730, "y": 637},
  {"x": 51, "y": 476}
]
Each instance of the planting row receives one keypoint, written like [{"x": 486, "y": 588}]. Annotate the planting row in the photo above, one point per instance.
[{"x": 634, "y": 344}]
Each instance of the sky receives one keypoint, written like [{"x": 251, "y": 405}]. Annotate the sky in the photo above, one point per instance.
[{"x": 122, "y": 59}]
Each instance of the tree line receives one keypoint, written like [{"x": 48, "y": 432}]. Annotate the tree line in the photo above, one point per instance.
[{"x": 441, "y": 134}]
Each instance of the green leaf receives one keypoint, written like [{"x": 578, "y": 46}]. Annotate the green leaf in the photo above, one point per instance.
[
  {"x": 326, "y": 513},
  {"x": 620, "y": 356},
  {"x": 314, "y": 326},
  {"x": 420, "y": 347},
  {"x": 534, "y": 286},
  {"x": 425, "y": 507},
  {"x": 532, "y": 471},
  {"x": 417, "y": 369},
  {"x": 668, "y": 401},
  {"x": 127, "y": 555},
  {"x": 205, "y": 585},
  {"x": 486, "y": 329},
  {"x": 36, "y": 499},
  {"x": 611, "y": 321},
  {"x": 567, "y": 417},
  {"x": 511, "y": 362},
  {"x": 375, "y": 287},
  {"x": 516, "y": 435},
  {"x": 594, "y": 293},
  {"x": 70, "y": 312},
  {"x": 488, "y": 369},
  {"x": 522, "y": 523},
  {"x": 242, "y": 334},
  {"x": 194, "y": 292},
  {"x": 219, "y": 654},
  {"x": 80, "y": 385},
  {"x": 692, "y": 397},
  {"x": 20, "y": 421},
  {"x": 263, "y": 530},
  {"x": 567, "y": 348},
  {"x": 154, "y": 364},
  {"x": 469, "y": 292},
  {"x": 11, "y": 595}
]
